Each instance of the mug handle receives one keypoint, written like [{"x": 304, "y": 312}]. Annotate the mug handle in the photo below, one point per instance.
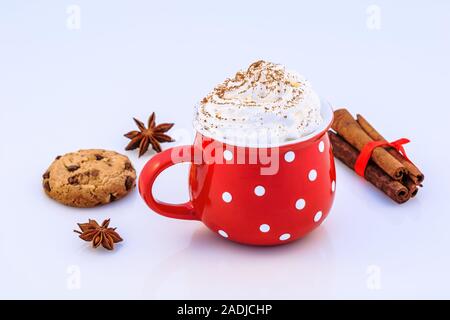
[{"x": 152, "y": 169}]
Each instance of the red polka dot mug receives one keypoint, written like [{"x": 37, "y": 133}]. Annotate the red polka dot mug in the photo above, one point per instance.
[{"x": 250, "y": 195}]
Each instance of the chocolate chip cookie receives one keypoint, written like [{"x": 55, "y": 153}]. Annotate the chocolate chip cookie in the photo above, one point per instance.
[{"x": 88, "y": 178}]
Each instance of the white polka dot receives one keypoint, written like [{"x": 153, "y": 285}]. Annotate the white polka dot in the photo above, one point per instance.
[
  {"x": 226, "y": 196},
  {"x": 318, "y": 216},
  {"x": 289, "y": 156},
  {"x": 285, "y": 236},
  {"x": 259, "y": 191},
  {"x": 312, "y": 175},
  {"x": 321, "y": 146},
  {"x": 223, "y": 233},
  {"x": 333, "y": 186},
  {"x": 228, "y": 155},
  {"x": 300, "y": 204},
  {"x": 264, "y": 228}
]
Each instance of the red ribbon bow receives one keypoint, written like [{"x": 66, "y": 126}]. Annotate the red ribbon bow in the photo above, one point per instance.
[{"x": 366, "y": 152}]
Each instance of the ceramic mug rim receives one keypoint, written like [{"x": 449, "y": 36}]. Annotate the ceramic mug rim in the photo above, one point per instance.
[{"x": 326, "y": 111}]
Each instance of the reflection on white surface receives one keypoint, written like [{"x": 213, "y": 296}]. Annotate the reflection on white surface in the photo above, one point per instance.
[{"x": 212, "y": 267}]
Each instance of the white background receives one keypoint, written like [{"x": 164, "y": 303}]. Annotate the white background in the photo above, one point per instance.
[{"x": 62, "y": 89}]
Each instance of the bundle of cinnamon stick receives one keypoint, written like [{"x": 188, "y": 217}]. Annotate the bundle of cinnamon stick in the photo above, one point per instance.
[{"x": 388, "y": 169}]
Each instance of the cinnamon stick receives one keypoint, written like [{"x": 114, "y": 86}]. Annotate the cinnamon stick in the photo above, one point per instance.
[
  {"x": 374, "y": 174},
  {"x": 411, "y": 185},
  {"x": 347, "y": 127},
  {"x": 413, "y": 172}
]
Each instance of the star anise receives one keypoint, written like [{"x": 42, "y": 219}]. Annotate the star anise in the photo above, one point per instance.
[
  {"x": 99, "y": 234},
  {"x": 153, "y": 135}
]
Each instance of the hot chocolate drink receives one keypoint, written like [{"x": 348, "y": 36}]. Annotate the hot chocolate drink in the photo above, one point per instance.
[{"x": 262, "y": 105}]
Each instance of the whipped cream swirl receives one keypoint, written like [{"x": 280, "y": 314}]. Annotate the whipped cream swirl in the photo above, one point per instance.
[{"x": 265, "y": 104}]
